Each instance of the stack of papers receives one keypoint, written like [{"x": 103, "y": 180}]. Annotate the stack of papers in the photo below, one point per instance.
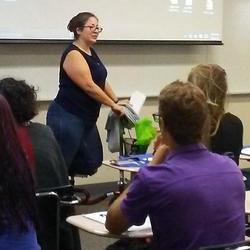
[
  {"x": 246, "y": 150},
  {"x": 139, "y": 160},
  {"x": 131, "y": 114},
  {"x": 101, "y": 217},
  {"x": 137, "y": 100}
]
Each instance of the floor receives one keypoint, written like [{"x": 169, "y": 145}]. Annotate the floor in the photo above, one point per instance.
[{"x": 90, "y": 241}]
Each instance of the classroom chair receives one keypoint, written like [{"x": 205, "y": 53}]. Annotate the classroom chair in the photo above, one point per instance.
[
  {"x": 49, "y": 217},
  {"x": 54, "y": 206}
]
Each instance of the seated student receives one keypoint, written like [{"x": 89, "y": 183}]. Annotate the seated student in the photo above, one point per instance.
[
  {"x": 194, "y": 197},
  {"x": 17, "y": 209},
  {"x": 225, "y": 130},
  {"x": 42, "y": 150},
  {"x": 37, "y": 139}
]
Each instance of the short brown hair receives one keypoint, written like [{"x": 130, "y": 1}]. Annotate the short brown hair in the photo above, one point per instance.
[
  {"x": 183, "y": 109},
  {"x": 79, "y": 21}
]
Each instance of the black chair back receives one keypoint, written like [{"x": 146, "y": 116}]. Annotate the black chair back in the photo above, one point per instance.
[
  {"x": 49, "y": 218},
  {"x": 245, "y": 245}
]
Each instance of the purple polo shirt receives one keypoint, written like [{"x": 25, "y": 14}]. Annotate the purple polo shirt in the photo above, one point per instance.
[{"x": 194, "y": 198}]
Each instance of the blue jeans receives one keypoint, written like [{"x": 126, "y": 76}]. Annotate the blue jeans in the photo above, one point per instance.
[{"x": 79, "y": 140}]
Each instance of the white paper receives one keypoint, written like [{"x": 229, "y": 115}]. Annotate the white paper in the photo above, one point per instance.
[
  {"x": 101, "y": 217},
  {"x": 98, "y": 216},
  {"x": 146, "y": 225},
  {"x": 137, "y": 100},
  {"x": 246, "y": 151}
]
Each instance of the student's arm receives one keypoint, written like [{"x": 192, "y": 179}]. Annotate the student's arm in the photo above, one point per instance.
[
  {"x": 78, "y": 70},
  {"x": 131, "y": 207},
  {"x": 116, "y": 222}
]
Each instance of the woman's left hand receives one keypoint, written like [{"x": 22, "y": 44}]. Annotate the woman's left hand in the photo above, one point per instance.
[{"x": 118, "y": 109}]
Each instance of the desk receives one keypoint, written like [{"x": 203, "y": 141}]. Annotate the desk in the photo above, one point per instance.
[
  {"x": 98, "y": 228},
  {"x": 244, "y": 157},
  {"x": 122, "y": 181},
  {"x": 247, "y": 203},
  {"x": 123, "y": 169},
  {"x": 247, "y": 206},
  {"x": 245, "y": 153}
]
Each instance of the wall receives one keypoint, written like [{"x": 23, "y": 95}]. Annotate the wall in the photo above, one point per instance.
[
  {"x": 237, "y": 104},
  {"x": 148, "y": 67}
]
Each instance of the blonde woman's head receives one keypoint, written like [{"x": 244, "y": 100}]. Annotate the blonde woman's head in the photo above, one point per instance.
[{"x": 212, "y": 80}]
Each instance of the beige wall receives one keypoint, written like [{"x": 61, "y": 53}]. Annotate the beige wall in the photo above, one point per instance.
[{"x": 237, "y": 104}]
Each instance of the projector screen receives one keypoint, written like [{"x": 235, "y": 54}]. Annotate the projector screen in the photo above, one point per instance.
[{"x": 122, "y": 20}]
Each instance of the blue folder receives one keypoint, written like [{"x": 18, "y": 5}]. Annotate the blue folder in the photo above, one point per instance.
[{"x": 139, "y": 160}]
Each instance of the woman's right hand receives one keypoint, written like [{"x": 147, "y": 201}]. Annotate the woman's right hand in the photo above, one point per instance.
[{"x": 118, "y": 109}]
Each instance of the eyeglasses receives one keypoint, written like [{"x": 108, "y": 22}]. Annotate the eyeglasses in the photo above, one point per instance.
[
  {"x": 156, "y": 117},
  {"x": 94, "y": 28}
]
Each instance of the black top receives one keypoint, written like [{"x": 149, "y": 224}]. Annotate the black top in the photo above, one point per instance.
[
  {"x": 229, "y": 137},
  {"x": 71, "y": 97}
]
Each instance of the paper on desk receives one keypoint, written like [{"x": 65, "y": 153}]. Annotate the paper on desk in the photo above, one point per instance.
[
  {"x": 137, "y": 100},
  {"x": 98, "y": 216},
  {"x": 101, "y": 217},
  {"x": 146, "y": 225},
  {"x": 246, "y": 150}
]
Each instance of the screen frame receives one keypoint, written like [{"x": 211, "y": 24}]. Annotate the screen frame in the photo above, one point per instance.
[{"x": 121, "y": 42}]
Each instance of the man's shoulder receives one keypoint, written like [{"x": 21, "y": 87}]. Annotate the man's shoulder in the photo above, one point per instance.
[
  {"x": 221, "y": 159},
  {"x": 223, "y": 164},
  {"x": 155, "y": 172}
]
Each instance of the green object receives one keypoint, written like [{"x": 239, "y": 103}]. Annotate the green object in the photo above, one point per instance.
[{"x": 145, "y": 131}]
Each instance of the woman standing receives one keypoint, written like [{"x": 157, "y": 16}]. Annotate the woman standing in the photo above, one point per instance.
[{"x": 82, "y": 90}]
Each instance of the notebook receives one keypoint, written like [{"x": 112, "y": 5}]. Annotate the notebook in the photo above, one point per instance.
[
  {"x": 246, "y": 150},
  {"x": 137, "y": 100}
]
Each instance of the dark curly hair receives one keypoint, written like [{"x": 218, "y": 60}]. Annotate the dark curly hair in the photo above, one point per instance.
[
  {"x": 183, "y": 109},
  {"x": 21, "y": 98},
  {"x": 17, "y": 195}
]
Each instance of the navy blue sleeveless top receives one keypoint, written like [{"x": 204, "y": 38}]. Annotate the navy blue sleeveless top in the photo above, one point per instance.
[{"x": 74, "y": 99}]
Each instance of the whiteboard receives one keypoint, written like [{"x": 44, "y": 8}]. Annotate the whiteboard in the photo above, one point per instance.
[
  {"x": 122, "y": 20},
  {"x": 146, "y": 68}
]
